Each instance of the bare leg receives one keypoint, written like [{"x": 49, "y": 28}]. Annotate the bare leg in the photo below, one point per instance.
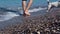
[
  {"x": 28, "y": 6},
  {"x": 49, "y": 7},
  {"x": 24, "y": 5}
]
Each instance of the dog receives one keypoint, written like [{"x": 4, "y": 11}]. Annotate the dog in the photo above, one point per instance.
[{"x": 52, "y": 4}]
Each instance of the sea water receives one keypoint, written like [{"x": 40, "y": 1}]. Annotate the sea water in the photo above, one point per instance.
[{"x": 16, "y": 5}]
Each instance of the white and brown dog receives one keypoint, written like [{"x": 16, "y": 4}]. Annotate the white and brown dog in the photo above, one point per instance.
[{"x": 52, "y": 4}]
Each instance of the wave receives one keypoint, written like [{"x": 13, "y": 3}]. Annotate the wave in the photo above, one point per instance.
[
  {"x": 8, "y": 14},
  {"x": 37, "y": 9}
]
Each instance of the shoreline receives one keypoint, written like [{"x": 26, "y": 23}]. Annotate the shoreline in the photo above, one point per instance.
[
  {"x": 18, "y": 19},
  {"x": 46, "y": 23}
]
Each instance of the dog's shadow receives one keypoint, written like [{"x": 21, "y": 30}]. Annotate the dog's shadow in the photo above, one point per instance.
[{"x": 4, "y": 10}]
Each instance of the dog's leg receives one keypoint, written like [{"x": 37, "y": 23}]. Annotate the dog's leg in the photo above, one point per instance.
[{"x": 49, "y": 7}]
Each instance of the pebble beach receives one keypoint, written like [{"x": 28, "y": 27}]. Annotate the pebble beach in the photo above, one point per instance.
[{"x": 49, "y": 23}]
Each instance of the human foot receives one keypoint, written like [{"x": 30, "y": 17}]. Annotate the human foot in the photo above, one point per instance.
[{"x": 26, "y": 13}]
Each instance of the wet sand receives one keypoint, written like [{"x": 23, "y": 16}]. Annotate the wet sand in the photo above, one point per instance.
[
  {"x": 45, "y": 23},
  {"x": 19, "y": 19}
]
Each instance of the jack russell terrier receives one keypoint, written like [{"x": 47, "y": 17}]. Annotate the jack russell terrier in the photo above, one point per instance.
[{"x": 52, "y": 4}]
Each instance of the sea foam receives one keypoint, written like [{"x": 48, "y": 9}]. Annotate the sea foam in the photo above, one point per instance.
[{"x": 10, "y": 15}]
